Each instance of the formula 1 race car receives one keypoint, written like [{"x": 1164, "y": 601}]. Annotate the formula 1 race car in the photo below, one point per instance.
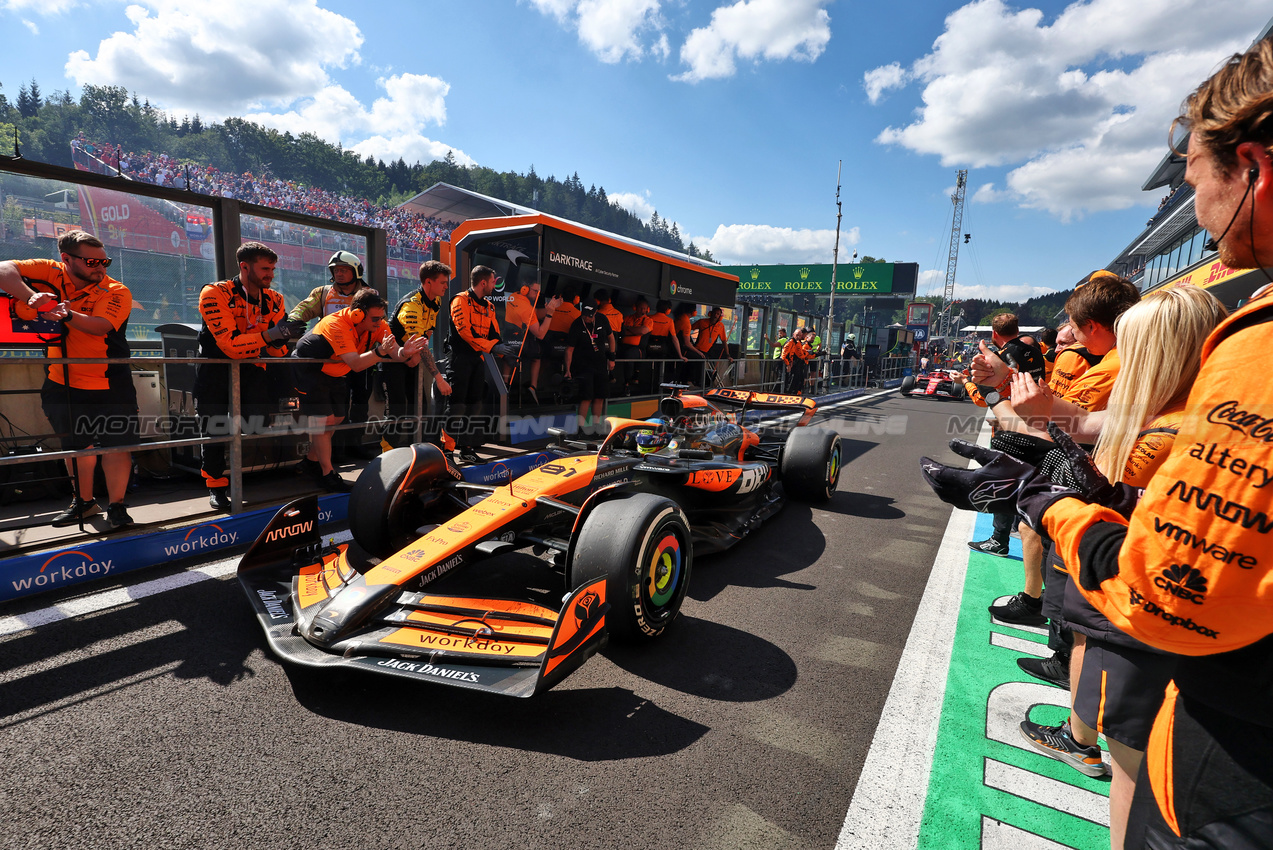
[
  {"x": 938, "y": 383},
  {"x": 621, "y": 520}
]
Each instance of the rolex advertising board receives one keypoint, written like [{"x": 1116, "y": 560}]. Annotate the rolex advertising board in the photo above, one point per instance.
[{"x": 851, "y": 278}]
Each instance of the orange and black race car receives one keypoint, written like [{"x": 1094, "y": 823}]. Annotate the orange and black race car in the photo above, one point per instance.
[
  {"x": 621, "y": 520},
  {"x": 938, "y": 383}
]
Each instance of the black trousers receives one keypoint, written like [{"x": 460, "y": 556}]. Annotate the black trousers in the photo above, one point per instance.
[
  {"x": 468, "y": 389},
  {"x": 212, "y": 403}
]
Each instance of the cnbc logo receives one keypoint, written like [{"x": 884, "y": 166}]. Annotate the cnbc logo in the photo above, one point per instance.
[{"x": 804, "y": 274}]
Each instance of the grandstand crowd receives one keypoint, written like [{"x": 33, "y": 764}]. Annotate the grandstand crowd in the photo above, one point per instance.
[{"x": 404, "y": 229}]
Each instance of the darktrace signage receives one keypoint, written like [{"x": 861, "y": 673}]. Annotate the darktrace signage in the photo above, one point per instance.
[{"x": 852, "y": 278}]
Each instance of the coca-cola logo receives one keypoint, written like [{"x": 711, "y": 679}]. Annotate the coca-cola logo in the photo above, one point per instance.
[{"x": 1254, "y": 425}]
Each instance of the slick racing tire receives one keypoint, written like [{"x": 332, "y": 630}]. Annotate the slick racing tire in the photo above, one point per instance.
[
  {"x": 393, "y": 497},
  {"x": 908, "y": 384},
  {"x": 811, "y": 463},
  {"x": 641, "y": 544}
]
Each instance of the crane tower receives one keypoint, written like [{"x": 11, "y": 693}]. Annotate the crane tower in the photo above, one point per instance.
[{"x": 961, "y": 183}]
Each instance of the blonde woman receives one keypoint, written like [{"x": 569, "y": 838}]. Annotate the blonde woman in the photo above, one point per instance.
[{"x": 1120, "y": 682}]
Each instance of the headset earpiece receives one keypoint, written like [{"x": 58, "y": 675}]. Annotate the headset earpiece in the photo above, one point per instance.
[
  {"x": 525, "y": 291},
  {"x": 1253, "y": 174},
  {"x": 356, "y": 315}
]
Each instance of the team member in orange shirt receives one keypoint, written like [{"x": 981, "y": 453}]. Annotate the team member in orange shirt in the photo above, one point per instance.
[
  {"x": 796, "y": 355},
  {"x": 243, "y": 319},
  {"x": 710, "y": 340},
  {"x": 691, "y": 371},
  {"x": 474, "y": 331},
  {"x": 527, "y": 321},
  {"x": 350, "y": 340},
  {"x": 636, "y": 327},
  {"x": 607, "y": 309},
  {"x": 662, "y": 341},
  {"x": 1189, "y": 573},
  {"x": 91, "y": 404}
]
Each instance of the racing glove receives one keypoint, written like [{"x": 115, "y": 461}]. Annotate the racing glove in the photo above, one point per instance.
[
  {"x": 992, "y": 488},
  {"x": 1094, "y": 487},
  {"x": 285, "y": 330}
]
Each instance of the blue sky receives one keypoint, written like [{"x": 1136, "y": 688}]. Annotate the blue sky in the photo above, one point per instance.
[{"x": 728, "y": 116}]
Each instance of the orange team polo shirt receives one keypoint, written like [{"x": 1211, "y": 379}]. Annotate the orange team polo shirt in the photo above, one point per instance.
[
  {"x": 1153, "y": 445},
  {"x": 613, "y": 316},
  {"x": 1069, "y": 367},
  {"x": 1092, "y": 390},
  {"x": 632, "y": 324},
  {"x": 661, "y": 325},
  {"x": 564, "y": 317},
  {"x": 684, "y": 327},
  {"x": 110, "y": 300},
  {"x": 339, "y": 330},
  {"x": 518, "y": 312},
  {"x": 708, "y": 334}
]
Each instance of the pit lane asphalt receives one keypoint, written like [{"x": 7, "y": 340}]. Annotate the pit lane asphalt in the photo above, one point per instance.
[{"x": 167, "y": 723}]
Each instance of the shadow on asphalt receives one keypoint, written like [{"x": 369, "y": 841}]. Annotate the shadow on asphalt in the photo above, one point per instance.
[
  {"x": 710, "y": 660},
  {"x": 589, "y": 724},
  {"x": 787, "y": 543}
]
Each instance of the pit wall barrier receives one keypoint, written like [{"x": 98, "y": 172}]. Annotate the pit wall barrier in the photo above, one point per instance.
[{"x": 94, "y": 560}]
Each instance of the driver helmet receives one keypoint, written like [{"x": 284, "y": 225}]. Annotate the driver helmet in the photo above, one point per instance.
[
  {"x": 345, "y": 258},
  {"x": 649, "y": 442}
]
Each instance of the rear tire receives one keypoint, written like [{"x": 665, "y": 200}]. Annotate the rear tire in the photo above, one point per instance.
[
  {"x": 908, "y": 384},
  {"x": 811, "y": 463},
  {"x": 641, "y": 544},
  {"x": 393, "y": 497}
]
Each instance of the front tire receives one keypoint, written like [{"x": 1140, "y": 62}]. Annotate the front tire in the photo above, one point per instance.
[
  {"x": 811, "y": 463},
  {"x": 908, "y": 384},
  {"x": 641, "y": 544},
  {"x": 393, "y": 497}
]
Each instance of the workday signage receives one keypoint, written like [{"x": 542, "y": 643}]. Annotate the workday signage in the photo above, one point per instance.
[{"x": 31, "y": 574}]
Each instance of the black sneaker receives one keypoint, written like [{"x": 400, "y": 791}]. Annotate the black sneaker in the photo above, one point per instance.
[
  {"x": 469, "y": 456},
  {"x": 1058, "y": 742},
  {"x": 333, "y": 483},
  {"x": 989, "y": 546},
  {"x": 1021, "y": 610},
  {"x": 219, "y": 498},
  {"x": 79, "y": 510},
  {"x": 309, "y": 467},
  {"x": 1055, "y": 669},
  {"x": 117, "y": 516}
]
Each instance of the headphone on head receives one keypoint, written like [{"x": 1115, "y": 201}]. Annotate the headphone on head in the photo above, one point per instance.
[{"x": 356, "y": 315}]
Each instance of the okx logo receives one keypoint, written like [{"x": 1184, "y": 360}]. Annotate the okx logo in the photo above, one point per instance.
[{"x": 1183, "y": 581}]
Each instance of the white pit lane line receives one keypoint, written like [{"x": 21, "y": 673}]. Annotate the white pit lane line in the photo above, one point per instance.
[
  {"x": 105, "y": 600},
  {"x": 888, "y": 804}
]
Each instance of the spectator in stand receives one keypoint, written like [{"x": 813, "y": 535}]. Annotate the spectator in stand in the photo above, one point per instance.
[
  {"x": 416, "y": 315},
  {"x": 474, "y": 332},
  {"x": 346, "y": 280},
  {"x": 590, "y": 352},
  {"x": 244, "y": 318},
  {"x": 662, "y": 341},
  {"x": 636, "y": 327},
  {"x": 352, "y": 339},
  {"x": 92, "y": 405}
]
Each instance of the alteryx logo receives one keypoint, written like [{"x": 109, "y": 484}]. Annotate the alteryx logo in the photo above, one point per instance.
[
  {"x": 200, "y": 538},
  {"x": 64, "y": 568}
]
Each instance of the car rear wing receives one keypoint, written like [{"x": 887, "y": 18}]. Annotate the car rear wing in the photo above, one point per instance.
[{"x": 747, "y": 400}]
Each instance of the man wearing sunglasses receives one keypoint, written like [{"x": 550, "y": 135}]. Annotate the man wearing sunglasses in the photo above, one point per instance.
[{"x": 91, "y": 405}]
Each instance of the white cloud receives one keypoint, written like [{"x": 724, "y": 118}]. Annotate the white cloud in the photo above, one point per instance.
[
  {"x": 40, "y": 7},
  {"x": 639, "y": 205},
  {"x": 411, "y": 147},
  {"x": 1011, "y": 292},
  {"x": 612, "y": 29},
  {"x": 755, "y": 30},
  {"x": 235, "y": 64},
  {"x": 1080, "y": 105},
  {"x": 988, "y": 194},
  {"x": 881, "y": 79},
  {"x": 763, "y": 243},
  {"x": 31, "y": 25}
]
